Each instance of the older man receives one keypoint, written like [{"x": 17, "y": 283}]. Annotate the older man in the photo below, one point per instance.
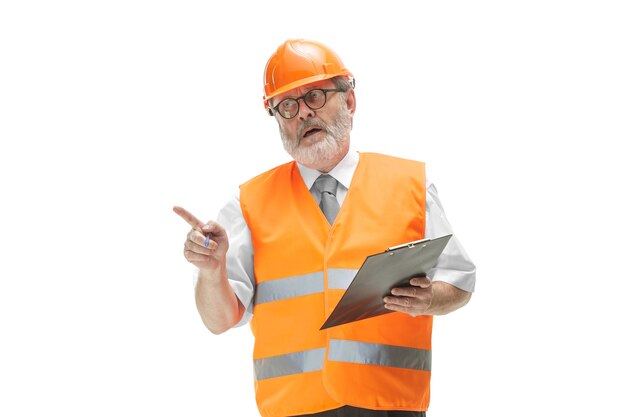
[{"x": 298, "y": 233}]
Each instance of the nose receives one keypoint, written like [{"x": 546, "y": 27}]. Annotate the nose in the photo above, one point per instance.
[{"x": 304, "y": 110}]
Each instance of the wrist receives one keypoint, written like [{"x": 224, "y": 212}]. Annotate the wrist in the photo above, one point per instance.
[{"x": 212, "y": 275}]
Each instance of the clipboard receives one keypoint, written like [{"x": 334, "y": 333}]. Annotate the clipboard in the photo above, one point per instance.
[{"x": 381, "y": 272}]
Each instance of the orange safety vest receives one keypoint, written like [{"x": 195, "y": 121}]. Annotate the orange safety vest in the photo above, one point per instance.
[{"x": 302, "y": 267}]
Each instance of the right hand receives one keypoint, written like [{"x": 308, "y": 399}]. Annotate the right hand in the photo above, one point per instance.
[{"x": 208, "y": 258}]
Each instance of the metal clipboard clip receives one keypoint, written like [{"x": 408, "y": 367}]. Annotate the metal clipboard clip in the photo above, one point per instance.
[{"x": 409, "y": 245}]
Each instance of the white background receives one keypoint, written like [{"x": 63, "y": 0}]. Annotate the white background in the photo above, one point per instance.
[{"x": 112, "y": 112}]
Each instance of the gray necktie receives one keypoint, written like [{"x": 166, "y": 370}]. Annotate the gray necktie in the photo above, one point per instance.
[{"x": 327, "y": 186}]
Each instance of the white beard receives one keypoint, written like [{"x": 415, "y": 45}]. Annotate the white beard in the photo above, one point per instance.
[{"x": 325, "y": 150}]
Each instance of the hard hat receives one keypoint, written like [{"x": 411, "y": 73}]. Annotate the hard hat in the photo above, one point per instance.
[{"x": 298, "y": 62}]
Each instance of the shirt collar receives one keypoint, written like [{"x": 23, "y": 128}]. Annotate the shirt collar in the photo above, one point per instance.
[{"x": 342, "y": 172}]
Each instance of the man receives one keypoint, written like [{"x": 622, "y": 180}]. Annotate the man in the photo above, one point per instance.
[{"x": 284, "y": 251}]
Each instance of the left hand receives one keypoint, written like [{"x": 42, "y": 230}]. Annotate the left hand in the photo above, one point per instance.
[{"x": 414, "y": 300}]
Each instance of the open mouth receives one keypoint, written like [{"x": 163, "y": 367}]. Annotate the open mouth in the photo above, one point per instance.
[{"x": 311, "y": 132}]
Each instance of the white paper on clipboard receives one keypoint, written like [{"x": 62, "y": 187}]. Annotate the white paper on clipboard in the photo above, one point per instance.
[{"x": 379, "y": 274}]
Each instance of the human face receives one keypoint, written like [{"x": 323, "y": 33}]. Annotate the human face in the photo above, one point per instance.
[{"x": 320, "y": 138}]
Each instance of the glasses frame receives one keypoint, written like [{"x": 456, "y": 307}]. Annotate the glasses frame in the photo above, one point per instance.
[{"x": 273, "y": 110}]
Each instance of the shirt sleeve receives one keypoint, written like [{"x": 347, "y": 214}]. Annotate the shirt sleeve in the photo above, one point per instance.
[{"x": 453, "y": 266}]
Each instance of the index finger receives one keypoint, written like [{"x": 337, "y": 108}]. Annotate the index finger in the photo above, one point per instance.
[
  {"x": 422, "y": 282},
  {"x": 189, "y": 218}
]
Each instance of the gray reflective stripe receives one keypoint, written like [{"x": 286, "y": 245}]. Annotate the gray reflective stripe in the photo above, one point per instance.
[
  {"x": 339, "y": 279},
  {"x": 375, "y": 354},
  {"x": 279, "y": 289},
  {"x": 289, "y": 364}
]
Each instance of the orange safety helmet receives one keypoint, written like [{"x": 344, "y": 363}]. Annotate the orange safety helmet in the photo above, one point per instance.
[{"x": 298, "y": 62}]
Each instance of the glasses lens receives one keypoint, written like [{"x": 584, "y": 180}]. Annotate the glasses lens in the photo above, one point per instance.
[
  {"x": 315, "y": 99},
  {"x": 288, "y": 108}
]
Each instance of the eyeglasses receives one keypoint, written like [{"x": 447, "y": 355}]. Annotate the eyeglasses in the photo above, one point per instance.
[{"x": 315, "y": 99}]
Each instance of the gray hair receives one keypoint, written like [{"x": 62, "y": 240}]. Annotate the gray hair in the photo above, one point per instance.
[{"x": 343, "y": 83}]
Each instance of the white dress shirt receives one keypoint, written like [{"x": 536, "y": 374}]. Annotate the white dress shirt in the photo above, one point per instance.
[{"x": 453, "y": 266}]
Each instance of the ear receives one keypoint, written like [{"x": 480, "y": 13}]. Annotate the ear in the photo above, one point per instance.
[{"x": 351, "y": 101}]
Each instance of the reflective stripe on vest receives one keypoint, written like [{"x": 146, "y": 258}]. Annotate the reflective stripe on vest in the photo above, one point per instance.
[
  {"x": 377, "y": 354},
  {"x": 343, "y": 351},
  {"x": 283, "y": 288},
  {"x": 289, "y": 364},
  {"x": 307, "y": 284},
  {"x": 339, "y": 279}
]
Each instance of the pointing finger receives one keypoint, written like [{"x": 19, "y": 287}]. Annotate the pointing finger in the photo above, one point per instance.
[{"x": 189, "y": 218}]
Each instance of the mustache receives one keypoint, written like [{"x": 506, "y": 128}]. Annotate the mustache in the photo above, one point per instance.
[{"x": 308, "y": 123}]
